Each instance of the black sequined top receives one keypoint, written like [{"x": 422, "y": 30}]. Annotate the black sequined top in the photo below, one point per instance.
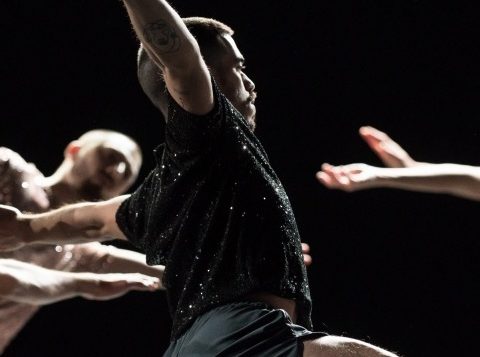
[{"x": 214, "y": 212}]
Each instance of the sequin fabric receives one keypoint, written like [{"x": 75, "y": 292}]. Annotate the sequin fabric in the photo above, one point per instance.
[{"x": 214, "y": 212}]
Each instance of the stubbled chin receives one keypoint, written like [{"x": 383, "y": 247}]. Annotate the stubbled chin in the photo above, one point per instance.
[
  {"x": 251, "y": 116},
  {"x": 252, "y": 123}
]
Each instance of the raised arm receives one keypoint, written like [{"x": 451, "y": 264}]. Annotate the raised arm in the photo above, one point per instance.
[
  {"x": 75, "y": 223},
  {"x": 458, "y": 180},
  {"x": 33, "y": 285},
  {"x": 175, "y": 51}
]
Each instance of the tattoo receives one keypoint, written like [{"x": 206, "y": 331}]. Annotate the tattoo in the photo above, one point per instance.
[{"x": 162, "y": 37}]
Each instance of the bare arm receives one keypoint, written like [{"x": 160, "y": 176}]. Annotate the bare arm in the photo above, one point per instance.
[
  {"x": 171, "y": 46},
  {"x": 458, "y": 180},
  {"x": 108, "y": 259},
  {"x": 75, "y": 223},
  {"x": 33, "y": 285}
]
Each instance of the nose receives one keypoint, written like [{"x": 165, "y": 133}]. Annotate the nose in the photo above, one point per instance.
[{"x": 248, "y": 83}]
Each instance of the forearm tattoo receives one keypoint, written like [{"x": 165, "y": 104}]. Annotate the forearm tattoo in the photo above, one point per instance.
[{"x": 162, "y": 37}]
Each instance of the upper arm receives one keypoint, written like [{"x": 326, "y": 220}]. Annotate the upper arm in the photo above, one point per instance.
[
  {"x": 173, "y": 48},
  {"x": 106, "y": 212}
]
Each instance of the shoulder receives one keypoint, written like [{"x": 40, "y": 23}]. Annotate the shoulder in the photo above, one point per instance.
[
  {"x": 9, "y": 159},
  {"x": 21, "y": 183}
]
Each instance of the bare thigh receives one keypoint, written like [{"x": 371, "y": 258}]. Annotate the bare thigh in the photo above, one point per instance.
[{"x": 337, "y": 346}]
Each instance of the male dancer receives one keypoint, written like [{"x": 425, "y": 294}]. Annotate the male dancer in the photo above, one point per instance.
[
  {"x": 98, "y": 165},
  {"x": 242, "y": 281}
]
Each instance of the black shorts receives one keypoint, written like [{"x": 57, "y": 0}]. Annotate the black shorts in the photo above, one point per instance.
[{"x": 242, "y": 329}]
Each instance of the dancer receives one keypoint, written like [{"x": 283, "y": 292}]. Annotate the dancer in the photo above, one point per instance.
[
  {"x": 98, "y": 165},
  {"x": 212, "y": 210},
  {"x": 402, "y": 172}
]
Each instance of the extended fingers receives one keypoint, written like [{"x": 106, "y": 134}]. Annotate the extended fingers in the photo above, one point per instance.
[
  {"x": 338, "y": 174},
  {"x": 371, "y": 134},
  {"x": 142, "y": 282},
  {"x": 307, "y": 258}
]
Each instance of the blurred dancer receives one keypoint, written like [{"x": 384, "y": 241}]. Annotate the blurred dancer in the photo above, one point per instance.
[{"x": 99, "y": 165}]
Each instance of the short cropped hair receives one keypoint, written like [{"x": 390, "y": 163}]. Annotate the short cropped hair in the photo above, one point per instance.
[
  {"x": 207, "y": 32},
  {"x": 96, "y": 137}
]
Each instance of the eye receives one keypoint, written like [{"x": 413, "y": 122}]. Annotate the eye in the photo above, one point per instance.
[{"x": 110, "y": 157}]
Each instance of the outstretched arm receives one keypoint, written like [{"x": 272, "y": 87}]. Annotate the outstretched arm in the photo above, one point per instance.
[
  {"x": 458, "y": 180},
  {"x": 100, "y": 258},
  {"x": 175, "y": 51},
  {"x": 75, "y": 223},
  {"x": 30, "y": 284}
]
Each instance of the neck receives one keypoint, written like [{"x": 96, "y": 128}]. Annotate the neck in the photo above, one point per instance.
[
  {"x": 60, "y": 190},
  {"x": 62, "y": 193}
]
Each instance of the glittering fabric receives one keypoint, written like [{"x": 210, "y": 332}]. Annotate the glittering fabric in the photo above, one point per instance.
[
  {"x": 20, "y": 187},
  {"x": 215, "y": 213}
]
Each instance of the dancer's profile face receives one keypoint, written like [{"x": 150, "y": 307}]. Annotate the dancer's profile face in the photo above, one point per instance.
[
  {"x": 105, "y": 170},
  {"x": 229, "y": 73},
  {"x": 228, "y": 70}
]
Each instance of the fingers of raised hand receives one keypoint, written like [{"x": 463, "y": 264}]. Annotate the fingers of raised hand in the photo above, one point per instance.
[
  {"x": 347, "y": 177},
  {"x": 372, "y": 134},
  {"x": 307, "y": 258}
]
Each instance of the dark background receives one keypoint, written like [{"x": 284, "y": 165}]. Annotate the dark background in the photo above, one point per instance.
[{"x": 397, "y": 269}]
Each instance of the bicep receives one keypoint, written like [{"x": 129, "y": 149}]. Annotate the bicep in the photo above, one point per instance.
[
  {"x": 189, "y": 84},
  {"x": 172, "y": 47},
  {"x": 191, "y": 88},
  {"x": 106, "y": 211}
]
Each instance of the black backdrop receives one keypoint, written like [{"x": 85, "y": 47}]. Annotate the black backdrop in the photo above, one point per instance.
[{"x": 394, "y": 268}]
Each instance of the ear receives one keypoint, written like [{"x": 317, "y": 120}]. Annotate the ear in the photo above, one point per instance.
[{"x": 72, "y": 149}]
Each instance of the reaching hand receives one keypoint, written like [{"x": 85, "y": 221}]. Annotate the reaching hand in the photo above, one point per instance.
[
  {"x": 10, "y": 229},
  {"x": 390, "y": 152},
  {"x": 348, "y": 178},
  {"x": 110, "y": 286},
  {"x": 30, "y": 284}
]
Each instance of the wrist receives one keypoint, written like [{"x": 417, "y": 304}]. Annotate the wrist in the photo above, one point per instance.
[
  {"x": 409, "y": 162},
  {"x": 380, "y": 177},
  {"x": 388, "y": 177}
]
